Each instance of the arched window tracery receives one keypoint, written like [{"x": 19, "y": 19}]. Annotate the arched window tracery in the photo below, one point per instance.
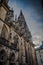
[
  {"x": 12, "y": 59},
  {"x": 3, "y": 57}
]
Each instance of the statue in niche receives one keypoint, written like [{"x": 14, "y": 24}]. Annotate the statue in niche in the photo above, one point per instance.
[{"x": 15, "y": 41}]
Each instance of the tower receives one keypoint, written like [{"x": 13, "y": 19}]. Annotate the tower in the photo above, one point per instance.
[{"x": 22, "y": 27}]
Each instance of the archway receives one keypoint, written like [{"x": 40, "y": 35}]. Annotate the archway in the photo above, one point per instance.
[
  {"x": 3, "y": 57},
  {"x": 12, "y": 59}
]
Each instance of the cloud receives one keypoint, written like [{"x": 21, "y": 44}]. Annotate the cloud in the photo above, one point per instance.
[{"x": 37, "y": 36}]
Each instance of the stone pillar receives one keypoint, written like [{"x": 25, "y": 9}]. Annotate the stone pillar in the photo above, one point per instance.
[{"x": 34, "y": 56}]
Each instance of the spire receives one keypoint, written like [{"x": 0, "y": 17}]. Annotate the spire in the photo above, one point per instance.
[
  {"x": 22, "y": 28},
  {"x": 21, "y": 16}
]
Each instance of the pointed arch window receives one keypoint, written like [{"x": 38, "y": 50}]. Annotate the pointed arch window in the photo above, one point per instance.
[{"x": 4, "y": 32}]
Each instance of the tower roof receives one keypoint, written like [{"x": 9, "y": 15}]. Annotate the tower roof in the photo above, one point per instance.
[{"x": 21, "y": 16}]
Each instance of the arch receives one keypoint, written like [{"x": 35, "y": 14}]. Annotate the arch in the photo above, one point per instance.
[
  {"x": 4, "y": 32},
  {"x": 12, "y": 59},
  {"x": 3, "y": 57}
]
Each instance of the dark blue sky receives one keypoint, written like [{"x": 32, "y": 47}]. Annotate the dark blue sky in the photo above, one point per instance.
[
  {"x": 36, "y": 4},
  {"x": 33, "y": 13}
]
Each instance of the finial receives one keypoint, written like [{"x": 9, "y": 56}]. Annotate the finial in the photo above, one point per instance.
[
  {"x": 21, "y": 12},
  {"x": 16, "y": 17}
]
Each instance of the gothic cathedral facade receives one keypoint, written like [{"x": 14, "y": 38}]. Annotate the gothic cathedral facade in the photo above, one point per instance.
[{"x": 16, "y": 47}]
